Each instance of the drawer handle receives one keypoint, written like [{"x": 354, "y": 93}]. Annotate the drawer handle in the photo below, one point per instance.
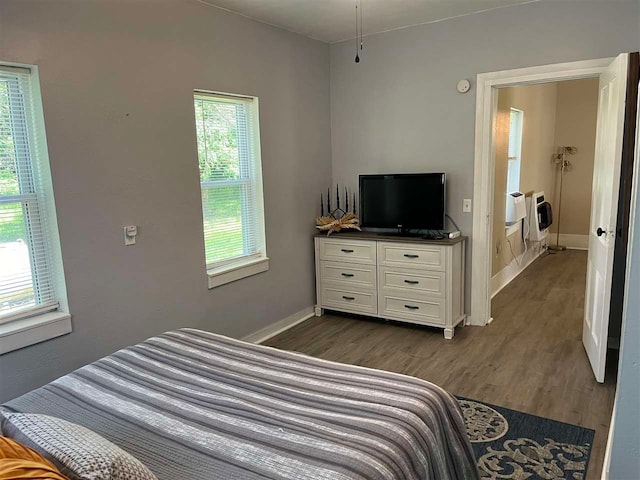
[
  {"x": 410, "y": 255},
  {"x": 348, "y": 275},
  {"x": 412, "y": 282},
  {"x": 347, "y": 250},
  {"x": 348, "y": 298},
  {"x": 412, "y": 307}
]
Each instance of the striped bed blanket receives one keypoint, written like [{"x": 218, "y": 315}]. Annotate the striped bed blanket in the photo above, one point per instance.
[{"x": 195, "y": 405}]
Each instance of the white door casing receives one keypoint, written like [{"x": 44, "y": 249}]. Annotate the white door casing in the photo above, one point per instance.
[
  {"x": 604, "y": 207},
  {"x": 487, "y": 86}
]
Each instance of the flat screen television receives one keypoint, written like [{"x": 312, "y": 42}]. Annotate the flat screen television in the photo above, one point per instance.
[{"x": 407, "y": 201}]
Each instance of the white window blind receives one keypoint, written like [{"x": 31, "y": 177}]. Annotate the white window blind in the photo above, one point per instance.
[
  {"x": 230, "y": 178},
  {"x": 515, "y": 149},
  {"x": 27, "y": 283}
]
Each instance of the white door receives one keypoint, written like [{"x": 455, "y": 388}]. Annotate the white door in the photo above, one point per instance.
[{"x": 604, "y": 206}]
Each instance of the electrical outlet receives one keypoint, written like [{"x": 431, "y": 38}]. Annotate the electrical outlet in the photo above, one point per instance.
[{"x": 466, "y": 205}]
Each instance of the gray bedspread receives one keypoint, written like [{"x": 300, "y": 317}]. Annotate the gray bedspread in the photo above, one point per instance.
[{"x": 194, "y": 405}]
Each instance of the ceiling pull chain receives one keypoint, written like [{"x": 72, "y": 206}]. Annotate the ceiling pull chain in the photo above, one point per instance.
[
  {"x": 357, "y": 55},
  {"x": 361, "y": 10}
]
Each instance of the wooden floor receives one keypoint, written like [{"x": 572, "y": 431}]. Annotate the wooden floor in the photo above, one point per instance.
[{"x": 530, "y": 358}]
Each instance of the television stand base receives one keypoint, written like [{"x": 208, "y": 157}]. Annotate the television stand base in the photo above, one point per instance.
[{"x": 378, "y": 278}]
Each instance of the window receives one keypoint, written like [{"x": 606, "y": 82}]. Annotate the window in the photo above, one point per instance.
[
  {"x": 515, "y": 150},
  {"x": 30, "y": 270},
  {"x": 231, "y": 185}
]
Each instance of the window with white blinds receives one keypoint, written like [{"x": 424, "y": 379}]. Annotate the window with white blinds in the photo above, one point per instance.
[
  {"x": 230, "y": 179},
  {"x": 515, "y": 150},
  {"x": 27, "y": 277}
]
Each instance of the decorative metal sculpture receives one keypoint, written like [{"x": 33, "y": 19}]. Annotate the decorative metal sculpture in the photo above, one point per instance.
[{"x": 338, "y": 219}]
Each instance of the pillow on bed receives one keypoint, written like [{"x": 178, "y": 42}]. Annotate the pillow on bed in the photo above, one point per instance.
[
  {"x": 78, "y": 452},
  {"x": 19, "y": 461}
]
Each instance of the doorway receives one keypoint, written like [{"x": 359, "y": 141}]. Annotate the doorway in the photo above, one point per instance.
[
  {"x": 544, "y": 139},
  {"x": 612, "y": 75}
]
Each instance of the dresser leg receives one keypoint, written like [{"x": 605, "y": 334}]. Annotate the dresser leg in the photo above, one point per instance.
[
  {"x": 319, "y": 311},
  {"x": 448, "y": 333}
]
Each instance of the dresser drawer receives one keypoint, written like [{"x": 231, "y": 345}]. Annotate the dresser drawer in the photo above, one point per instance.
[
  {"x": 348, "y": 300},
  {"x": 353, "y": 251},
  {"x": 407, "y": 255},
  {"x": 355, "y": 275},
  {"x": 429, "y": 311},
  {"x": 413, "y": 282}
]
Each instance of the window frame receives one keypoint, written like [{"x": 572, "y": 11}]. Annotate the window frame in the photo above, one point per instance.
[
  {"x": 516, "y": 160},
  {"x": 231, "y": 269},
  {"x": 43, "y": 321}
]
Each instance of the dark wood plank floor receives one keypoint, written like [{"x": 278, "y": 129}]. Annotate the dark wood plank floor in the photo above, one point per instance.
[{"x": 530, "y": 358}]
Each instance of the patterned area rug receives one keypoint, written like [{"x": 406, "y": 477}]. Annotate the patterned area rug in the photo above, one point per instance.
[{"x": 517, "y": 446}]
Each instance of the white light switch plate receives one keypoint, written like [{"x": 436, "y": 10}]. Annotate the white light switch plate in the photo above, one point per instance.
[
  {"x": 130, "y": 233},
  {"x": 466, "y": 205}
]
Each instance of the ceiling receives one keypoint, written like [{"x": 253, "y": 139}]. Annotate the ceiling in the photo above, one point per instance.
[{"x": 334, "y": 20}]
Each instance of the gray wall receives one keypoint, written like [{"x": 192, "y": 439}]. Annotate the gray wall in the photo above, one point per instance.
[
  {"x": 398, "y": 109},
  {"x": 117, "y": 80}
]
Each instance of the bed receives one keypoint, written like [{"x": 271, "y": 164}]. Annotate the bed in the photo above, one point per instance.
[{"x": 194, "y": 405}]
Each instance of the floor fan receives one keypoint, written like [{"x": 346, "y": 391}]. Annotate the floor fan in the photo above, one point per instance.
[{"x": 565, "y": 165}]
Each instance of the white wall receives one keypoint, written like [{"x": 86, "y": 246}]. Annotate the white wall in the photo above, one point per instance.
[
  {"x": 398, "y": 109},
  {"x": 117, "y": 80}
]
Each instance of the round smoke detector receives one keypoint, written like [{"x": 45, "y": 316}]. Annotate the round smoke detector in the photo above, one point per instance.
[{"x": 463, "y": 86}]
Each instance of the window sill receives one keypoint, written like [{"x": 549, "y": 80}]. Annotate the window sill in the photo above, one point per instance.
[
  {"x": 231, "y": 273},
  {"x": 511, "y": 229},
  {"x": 28, "y": 331}
]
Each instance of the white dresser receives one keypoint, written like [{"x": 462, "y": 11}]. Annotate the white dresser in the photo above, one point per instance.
[{"x": 405, "y": 279}]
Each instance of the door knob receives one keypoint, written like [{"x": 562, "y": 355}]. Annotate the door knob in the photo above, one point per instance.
[{"x": 601, "y": 232}]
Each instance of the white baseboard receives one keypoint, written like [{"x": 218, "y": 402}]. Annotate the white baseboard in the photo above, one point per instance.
[
  {"x": 505, "y": 276},
  {"x": 571, "y": 241},
  {"x": 280, "y": 326}
]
